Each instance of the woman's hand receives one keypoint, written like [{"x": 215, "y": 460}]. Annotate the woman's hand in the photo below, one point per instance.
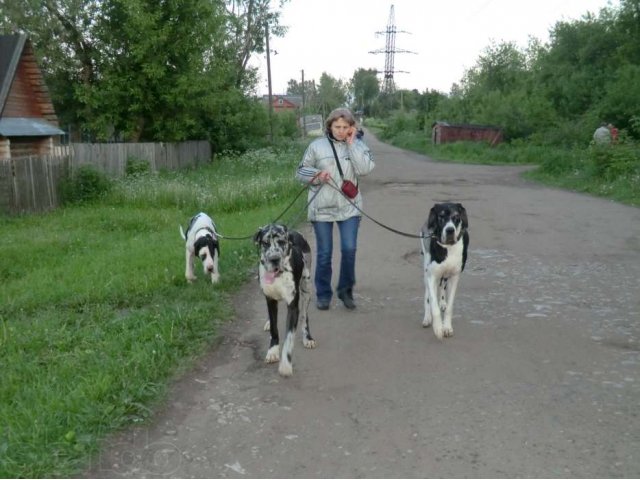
[
  {"x": 323, "y": 176},
  {"x": 351, "y": 135}
]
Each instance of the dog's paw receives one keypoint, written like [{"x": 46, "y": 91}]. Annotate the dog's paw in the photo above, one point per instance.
[
  {"x": 426, "y": 321},
  {"x": 273, "y": 354},
  {"x": 285, "y": 369},
  {"x": 191, "y": 279},
  {"x": 447, "y": 331},
  {"x": 438, "y": 331},
  {"x": 309, "y": 343}
]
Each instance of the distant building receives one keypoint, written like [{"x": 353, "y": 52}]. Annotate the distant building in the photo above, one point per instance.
[
  {"x": 28, "y": 122},
  {"x": 284, "y": 103},
  {"x": 443, "y": 132}
]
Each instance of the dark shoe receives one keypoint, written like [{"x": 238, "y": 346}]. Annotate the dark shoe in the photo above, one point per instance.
[
  {"x": 347, "y": 298},
  {"x": 323, "y": 304}
]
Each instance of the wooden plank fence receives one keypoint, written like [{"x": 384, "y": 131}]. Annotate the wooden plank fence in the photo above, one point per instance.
[{"x": 31, "y": 184}]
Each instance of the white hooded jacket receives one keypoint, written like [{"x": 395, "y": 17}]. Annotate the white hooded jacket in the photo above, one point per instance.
[{"x": 356, "y": 160}]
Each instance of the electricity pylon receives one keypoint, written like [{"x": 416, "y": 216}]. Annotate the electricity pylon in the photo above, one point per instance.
[{"x": 390, "y": 50}]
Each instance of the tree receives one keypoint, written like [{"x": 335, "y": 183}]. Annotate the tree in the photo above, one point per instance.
[
  {"x": 499, "y": 68},
  {"x": 365, "y": 87},
  {"x": 247, "y": 20},
  {"x": 145, "y": 69},
  {"x": 309, "y": 92},
  {"x": 332, "y": 94}
]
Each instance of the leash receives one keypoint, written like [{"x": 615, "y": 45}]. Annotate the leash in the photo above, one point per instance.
[
  {"x": 226, "y": 237},
  {"x": 333, "y": 185}
]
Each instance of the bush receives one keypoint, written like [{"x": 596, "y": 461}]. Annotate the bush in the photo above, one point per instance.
[
  {"x": 613, "y": 161},
  {"x": 401, "y": 122},
  {"x": 85, "y": 184},
  {"x": 285, "y": 126},
  {"x": 136, "y": 167}
]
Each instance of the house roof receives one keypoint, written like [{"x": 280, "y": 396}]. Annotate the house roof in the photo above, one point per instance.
[
  {"x": 11, "y": 50},
  {"x": 11, "y": 47},
  {"x": 295, "y": 100},
  {"x": 27, "y": 127}
]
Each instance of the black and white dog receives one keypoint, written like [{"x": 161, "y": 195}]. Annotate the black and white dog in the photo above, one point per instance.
[
  {"x": 444, "y": 246},
  {"x": 201, "y": 240},
  {"x": 285, "y": 266}
]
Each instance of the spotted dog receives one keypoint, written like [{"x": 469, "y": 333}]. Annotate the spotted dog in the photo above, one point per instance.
[
  {"x": 444, "y": 244},
  {"x": 285, "y": 266},
  {"x": 201, "y": 240}
]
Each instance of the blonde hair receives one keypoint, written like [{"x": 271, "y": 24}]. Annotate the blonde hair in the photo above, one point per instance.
[{"x": 343, "y": 113}]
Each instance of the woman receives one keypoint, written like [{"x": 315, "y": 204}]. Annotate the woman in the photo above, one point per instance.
[{"x": 329, "y": 206}]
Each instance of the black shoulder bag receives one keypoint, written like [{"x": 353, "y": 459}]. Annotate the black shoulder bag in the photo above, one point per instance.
[{"x": 349, "y": 188}]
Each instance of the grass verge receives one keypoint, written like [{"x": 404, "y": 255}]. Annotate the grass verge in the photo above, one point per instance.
[
  {"x": 611, "y": 172},
  {"x": 95, "y": 313}
]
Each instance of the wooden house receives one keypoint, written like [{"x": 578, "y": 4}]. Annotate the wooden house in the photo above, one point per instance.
[
  {"x": 28, "y": 122},
  {"x": 284, "y": 103},
  {"x": 443, "y": 132}
]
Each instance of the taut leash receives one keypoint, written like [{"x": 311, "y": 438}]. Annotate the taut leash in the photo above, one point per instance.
[
  {"x": 226, "y": 237},
  {"x": 333, "y": 185}
]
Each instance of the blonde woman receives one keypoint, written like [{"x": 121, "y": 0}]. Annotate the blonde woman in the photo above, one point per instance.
[{"x": 318, "y": 167}]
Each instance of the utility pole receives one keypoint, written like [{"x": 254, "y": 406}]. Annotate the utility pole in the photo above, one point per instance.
[
  {"x": 266, "y": 30},
  {"x": 304, "y": 116}
]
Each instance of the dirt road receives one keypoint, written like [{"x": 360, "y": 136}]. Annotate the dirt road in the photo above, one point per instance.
[{"x": 541, "y": 379}]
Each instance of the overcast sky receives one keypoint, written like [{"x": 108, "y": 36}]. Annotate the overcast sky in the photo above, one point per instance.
[{"x": 446, "y": 37}]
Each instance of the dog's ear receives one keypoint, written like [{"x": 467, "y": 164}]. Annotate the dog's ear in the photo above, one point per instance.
[
  {"x": 429, "y": 226},
  {"x": 463, "y": 216},
  {"x": 257, "y": 238},
  {"x": 432, "y": 221}
]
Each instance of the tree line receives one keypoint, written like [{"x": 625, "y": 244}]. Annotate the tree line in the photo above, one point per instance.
[
  {"x": 148, "y": 70},
  {"x": 175, "y": 70},
  {"x": 554, "y": 93}
]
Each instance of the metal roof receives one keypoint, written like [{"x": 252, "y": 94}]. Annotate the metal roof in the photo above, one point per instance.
[{"x": 27, "y": 127}]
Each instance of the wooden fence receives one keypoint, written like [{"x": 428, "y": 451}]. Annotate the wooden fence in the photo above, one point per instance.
[{"x": 31, "y": 184}]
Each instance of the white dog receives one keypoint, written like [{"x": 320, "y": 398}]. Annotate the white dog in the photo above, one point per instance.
[
  {"x": 444, "y": 245},
  {"x": 202, "y": 241}
]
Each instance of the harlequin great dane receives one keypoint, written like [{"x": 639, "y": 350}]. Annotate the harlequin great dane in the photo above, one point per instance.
[
  {"x": 201, "y": 240},
  {"x": 284, "y": 271},
  {"x": 444, "y": 244}
]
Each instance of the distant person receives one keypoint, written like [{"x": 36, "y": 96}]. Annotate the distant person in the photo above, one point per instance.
[
  {"x": 602, "y": 135},
  {"x": 614, "y": 133},
  {"x": 342, "y": 143}
]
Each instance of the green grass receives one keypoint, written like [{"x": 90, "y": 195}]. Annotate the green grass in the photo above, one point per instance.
[
  {"x": 95, "y": 314},
  {"x": 611, "y": 172}
]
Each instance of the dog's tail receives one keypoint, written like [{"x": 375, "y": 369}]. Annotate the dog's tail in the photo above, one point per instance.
[{"x": 184, "y": 237}]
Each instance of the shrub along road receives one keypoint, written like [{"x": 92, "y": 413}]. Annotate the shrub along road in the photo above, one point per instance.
[{"x": 539, "y": 380}]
